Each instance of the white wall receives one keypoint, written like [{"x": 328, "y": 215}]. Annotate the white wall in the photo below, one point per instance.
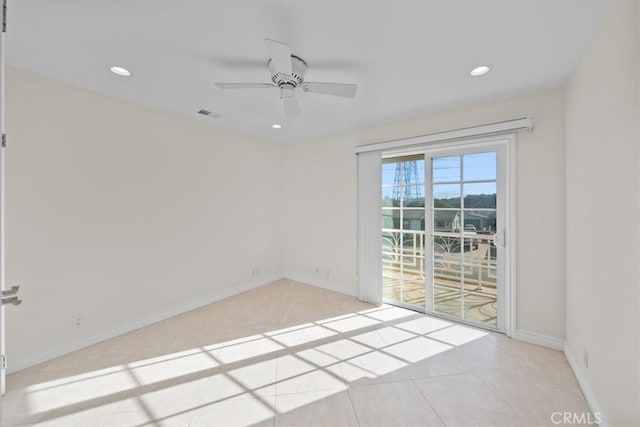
[
  {"x": 319, "y": 222},
  {"x": 119, "y": 211},
  {"x": 320, "y": 203},
  {"x": 603, "y": 217}
]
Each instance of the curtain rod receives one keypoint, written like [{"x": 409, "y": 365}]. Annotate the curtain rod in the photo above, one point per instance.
[{"x": 523, "y": 123}]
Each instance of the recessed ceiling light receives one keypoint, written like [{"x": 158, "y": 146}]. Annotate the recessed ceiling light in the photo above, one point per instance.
[
  {"x": 478, "y": 71},
  {"x": 120, "y": 71},
  {"x": 276, "y": 126}
]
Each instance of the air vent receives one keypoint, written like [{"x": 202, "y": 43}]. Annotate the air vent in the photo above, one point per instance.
[{"x": 209, "y": 114}]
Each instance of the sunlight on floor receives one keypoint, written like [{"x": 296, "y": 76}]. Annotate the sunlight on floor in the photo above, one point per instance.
[{"x": 326, "y": 366}]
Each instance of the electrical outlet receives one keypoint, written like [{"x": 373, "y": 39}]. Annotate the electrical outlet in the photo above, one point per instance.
[
  {"x": 316, "y": 272},
  {"x": 585, "y": 359},
  {"x": 78, "y": 321}
]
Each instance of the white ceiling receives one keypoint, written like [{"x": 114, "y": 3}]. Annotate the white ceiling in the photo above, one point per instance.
[{"x": 408, "y": 57}]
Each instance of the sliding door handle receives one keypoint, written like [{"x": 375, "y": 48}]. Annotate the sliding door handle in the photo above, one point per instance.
[
  {"x": 12, "y": 301},
  {"x": 12, "y": 291}
]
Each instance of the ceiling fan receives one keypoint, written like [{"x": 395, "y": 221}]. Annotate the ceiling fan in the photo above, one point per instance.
[{"x": 287, "y": 74}]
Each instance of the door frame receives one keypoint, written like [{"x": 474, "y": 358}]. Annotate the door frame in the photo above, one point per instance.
[
  {"x": 3, "y": 352},
  {"x": 506, "y": 144}
]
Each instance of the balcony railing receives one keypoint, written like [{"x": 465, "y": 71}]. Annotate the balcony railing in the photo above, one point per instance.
[{"x": 464, "y": 267}]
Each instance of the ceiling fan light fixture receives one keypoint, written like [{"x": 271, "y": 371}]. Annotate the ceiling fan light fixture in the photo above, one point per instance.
[
  {"x": 287, "y": 74},
  {"x": 480, "y": 70},
  {"x": 121, "y": 71},
  {"x": 276, "y": 126}
]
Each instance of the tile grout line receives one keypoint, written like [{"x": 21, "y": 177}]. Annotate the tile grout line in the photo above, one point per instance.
[
  {"x": 495, "y": 392},
  {"x": 353, "y": 406},
  {"x": 427, "y": 402},
  {"x": 275, "y": 385},
  {"x": 193, "y": 412}
]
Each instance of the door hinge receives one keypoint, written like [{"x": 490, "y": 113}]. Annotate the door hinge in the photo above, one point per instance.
[
  {"x": 4, "y": 16},
  {"x": 4, "y": 140},
  {"x": 4, "y": 362}
]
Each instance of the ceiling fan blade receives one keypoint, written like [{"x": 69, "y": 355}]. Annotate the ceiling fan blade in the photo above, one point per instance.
[
  {"x": 245, "y": 85},
  {"x": 346, "y": 90},
  {"x": 280, "y": 54},
  {"x": 291, "y": 106}
]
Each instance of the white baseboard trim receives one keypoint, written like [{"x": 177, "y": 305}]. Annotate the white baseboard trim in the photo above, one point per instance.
[
  {"x": 43, "y": 356},
  {"x": 538, "y": 339},
  {"x": 321, "y": 283},
  {"x": 576, "y": 367}
]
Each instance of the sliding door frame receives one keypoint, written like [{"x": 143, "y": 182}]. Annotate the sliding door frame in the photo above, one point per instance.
[{"x": 506, "y": 181}]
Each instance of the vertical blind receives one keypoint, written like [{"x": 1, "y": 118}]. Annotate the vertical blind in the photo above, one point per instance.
[{"x": 369, "y": 227}]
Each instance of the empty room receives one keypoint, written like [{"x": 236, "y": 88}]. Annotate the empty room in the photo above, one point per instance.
[{"x": 320, "y": 213}]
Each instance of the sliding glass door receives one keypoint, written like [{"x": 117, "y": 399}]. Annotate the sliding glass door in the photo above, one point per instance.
[
  {"x": 443, "y": 231},
  {"x": 463, "y": 271}
]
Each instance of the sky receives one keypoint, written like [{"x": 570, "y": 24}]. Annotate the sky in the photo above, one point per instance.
[{"x": 477, "y": 166}]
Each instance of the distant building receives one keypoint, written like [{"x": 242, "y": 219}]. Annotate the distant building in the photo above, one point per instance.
[{"x": 444, "y": 220}]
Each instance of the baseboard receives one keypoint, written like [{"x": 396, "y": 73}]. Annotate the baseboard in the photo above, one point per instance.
[
  {"x": 538, "y": 339},
  {"x": 576, "y": 367},
  {"x": 43, "y": 356},
  {"x": 321, "y": 283}
]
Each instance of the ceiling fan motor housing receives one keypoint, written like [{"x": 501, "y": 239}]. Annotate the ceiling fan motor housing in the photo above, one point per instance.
[{"x": 298, "y": 67}]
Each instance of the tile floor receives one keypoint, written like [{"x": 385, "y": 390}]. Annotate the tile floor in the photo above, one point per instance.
[{"x": 292, "y": 354}]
